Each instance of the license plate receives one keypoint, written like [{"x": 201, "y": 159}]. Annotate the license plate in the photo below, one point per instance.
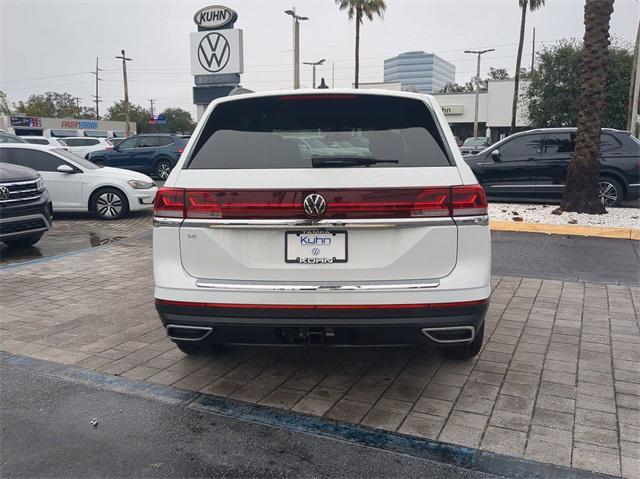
[{"x": 315, "y": 247}]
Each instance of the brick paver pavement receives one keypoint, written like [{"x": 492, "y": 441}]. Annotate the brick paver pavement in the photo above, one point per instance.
[{"x": 558, "y": 379}]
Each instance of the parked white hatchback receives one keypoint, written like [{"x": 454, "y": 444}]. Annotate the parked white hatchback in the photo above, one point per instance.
[
  {"x": 83, "y": 145},
  {"x": 256, "y": 241},
  {"x": 76, "y": 184}
]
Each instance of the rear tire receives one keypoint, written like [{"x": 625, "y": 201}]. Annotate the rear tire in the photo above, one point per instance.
[
  {"x": 468, "y": 350},
  {"x": 24, "y": 242}
]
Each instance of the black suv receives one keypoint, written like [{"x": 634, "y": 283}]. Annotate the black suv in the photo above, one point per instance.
[
  {"x": 532, "y": 165},
  {"x": 153, "y": 154},
  {"x": 25, "y": 206}
]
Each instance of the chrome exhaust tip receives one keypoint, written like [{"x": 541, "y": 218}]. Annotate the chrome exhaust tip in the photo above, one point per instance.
[
  {"x": 187, "y": 333},
  {"x": 450, "y": 335}
]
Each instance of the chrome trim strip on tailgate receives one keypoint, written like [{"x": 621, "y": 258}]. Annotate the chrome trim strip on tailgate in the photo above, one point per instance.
[
  {"x": 336, "y": 223},
  {"x": 482, "y": 220},
  {"x": 317, "y": 287}
]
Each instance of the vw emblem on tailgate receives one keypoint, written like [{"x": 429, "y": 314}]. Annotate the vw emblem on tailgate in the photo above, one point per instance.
[
  {"x": 4, "y": 193},
  {"x": 314, "y": 204}
]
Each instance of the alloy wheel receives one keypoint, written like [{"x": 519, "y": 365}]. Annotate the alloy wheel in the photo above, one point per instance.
[
  {"x": 608, "y": 193},
  {"x": 164, "y": 169},
  {"x": 109, "y": 205}
]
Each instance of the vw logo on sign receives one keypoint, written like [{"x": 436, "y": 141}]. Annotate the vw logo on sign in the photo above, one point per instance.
[
  {"x": 4, "y": 193},
  {"x": 214, "y": 52},
  {"x": 314, "y": 204}
]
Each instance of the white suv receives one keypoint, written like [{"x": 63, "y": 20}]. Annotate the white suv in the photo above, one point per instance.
[{"x": 256, "y": 241}]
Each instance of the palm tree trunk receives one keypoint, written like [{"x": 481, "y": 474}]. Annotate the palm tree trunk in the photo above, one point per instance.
[
  {"x": 581, "y": 189},
  {"x": 516, "y": 83},
  {"x": 358, "y": 20}
]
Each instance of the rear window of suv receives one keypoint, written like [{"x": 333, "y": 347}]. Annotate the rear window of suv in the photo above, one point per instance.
[{"x": 292, "y": 131}]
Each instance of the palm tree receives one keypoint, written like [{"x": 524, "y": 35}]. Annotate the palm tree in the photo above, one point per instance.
[
  {"x": 533, "y": 6},
  {"x": 581, "y": 192},
  {"x": 360, "y": 9}
]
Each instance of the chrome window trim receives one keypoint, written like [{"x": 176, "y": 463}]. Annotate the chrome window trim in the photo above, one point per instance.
[{"x": 218, "y": 285}]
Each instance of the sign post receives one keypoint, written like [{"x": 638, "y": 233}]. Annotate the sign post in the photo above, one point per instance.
[{"x": 216, "y": 55}]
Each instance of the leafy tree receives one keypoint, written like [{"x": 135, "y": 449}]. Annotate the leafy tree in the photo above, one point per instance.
[
  {"x": 360, "y": 9},
  {"x": 533, "y": 6},
  {"x": 5, "y": 109},
  {"x": 470, "y": 86},
  {"x": 581, "y": 192},
  {"x": 55, "y": 105},
  {"x": 137, "y": 114},
  {"x": 553, "y": 93},
  {"x": 178, "y": 120}
]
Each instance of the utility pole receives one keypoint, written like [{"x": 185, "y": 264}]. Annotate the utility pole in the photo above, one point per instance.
[
  {"x": 333, "y": 74},
  {"x": 151, "y": 100},
  {"x": 296, "y": 45},
  {"x": 475, "y": 118},
  {"x": 634, "y": 90},
  {"x": 97, "y": 96},
  {"x": 126, "y": 91},
  {"x": 533, "y": 49},
  {"x": 314, "y": 65},
  {"x": 77, "y": 99}
]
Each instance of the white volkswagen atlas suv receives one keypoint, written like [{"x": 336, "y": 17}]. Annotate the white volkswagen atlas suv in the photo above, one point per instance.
[{"x": 381, "y": 239}]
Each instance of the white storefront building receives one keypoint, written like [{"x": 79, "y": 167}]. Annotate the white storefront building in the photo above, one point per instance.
[{"x": 494, "y": 110}]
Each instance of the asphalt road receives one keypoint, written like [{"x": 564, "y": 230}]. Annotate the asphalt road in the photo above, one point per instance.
[
  {"x": 569, "y": 258},
  {"x": 46, "y": 432}
]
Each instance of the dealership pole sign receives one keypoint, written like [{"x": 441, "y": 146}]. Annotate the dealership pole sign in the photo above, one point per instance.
[{"x": 216, "y": 53}]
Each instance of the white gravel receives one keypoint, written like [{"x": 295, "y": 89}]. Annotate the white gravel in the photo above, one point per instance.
[{"x": 615, "y": 217}]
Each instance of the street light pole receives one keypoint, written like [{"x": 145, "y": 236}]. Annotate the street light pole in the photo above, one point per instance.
[
  {"x": 126, "y": 92},
  {"x": 296, "y": 45},
  {"x": 314, "y": 65},
  {"x": 475, "y": 118}
]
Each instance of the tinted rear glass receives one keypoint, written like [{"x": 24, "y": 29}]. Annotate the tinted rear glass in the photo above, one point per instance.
[{"x": 289, "y": 131}]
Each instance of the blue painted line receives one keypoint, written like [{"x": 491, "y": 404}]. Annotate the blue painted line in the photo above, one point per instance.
[
  {"x": 427, "y": 449},
  {"x": 73, "y": 253}
]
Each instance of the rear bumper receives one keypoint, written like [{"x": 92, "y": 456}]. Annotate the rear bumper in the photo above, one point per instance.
[{"x": 328, "y": 325}]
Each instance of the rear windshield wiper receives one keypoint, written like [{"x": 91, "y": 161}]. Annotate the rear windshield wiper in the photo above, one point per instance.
[{"x": 330, "y": 161}]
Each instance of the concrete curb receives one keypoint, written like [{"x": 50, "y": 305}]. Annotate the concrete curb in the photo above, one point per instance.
[
  {"x": 468, "y": 458},
  {"x": 567, "y": 230}
]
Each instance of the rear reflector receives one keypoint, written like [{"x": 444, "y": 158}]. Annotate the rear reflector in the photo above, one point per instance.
[
  {"x": 190, "y": 304},
  {"x": 340, "y": 204}
]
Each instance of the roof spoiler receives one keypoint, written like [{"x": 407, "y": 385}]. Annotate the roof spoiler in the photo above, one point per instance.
[{"x": 240, "y": 91}]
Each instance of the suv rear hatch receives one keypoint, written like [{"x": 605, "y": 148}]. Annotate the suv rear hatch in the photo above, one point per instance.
[{"x": 374, "y": 169}]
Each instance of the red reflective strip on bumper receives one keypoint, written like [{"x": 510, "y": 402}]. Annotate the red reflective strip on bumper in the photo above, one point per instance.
[{"x": 190, "y": 304}]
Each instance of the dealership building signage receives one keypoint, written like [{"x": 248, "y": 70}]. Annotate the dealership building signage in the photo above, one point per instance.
[
  {"x": 453, "y": 109},
  {"x": 216, "y": 55}
]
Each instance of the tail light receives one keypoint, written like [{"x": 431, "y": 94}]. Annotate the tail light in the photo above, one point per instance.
[
  {"x": 468, "y": 201},
  {"x": 180, "y": 150},
  {"x": 340, "y": 204},
  {"x": 169, "y": 203}
]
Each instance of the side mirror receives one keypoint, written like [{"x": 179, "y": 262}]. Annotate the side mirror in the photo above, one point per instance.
[
  {"x": 65, "y": 169},
  {"x": 495, "y": 155}
]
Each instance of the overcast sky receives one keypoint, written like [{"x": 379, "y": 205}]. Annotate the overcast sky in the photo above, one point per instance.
[{"x": 52, "y": 44}]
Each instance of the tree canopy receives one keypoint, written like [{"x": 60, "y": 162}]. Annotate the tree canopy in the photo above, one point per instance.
[
  {"x": 470, "y": 86},
  {"x": 137, "y": 114},
  {"x": 553, "y": 93},
  {"x": 53, "y": 104},
  {"x": 178, "y": 121}
]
